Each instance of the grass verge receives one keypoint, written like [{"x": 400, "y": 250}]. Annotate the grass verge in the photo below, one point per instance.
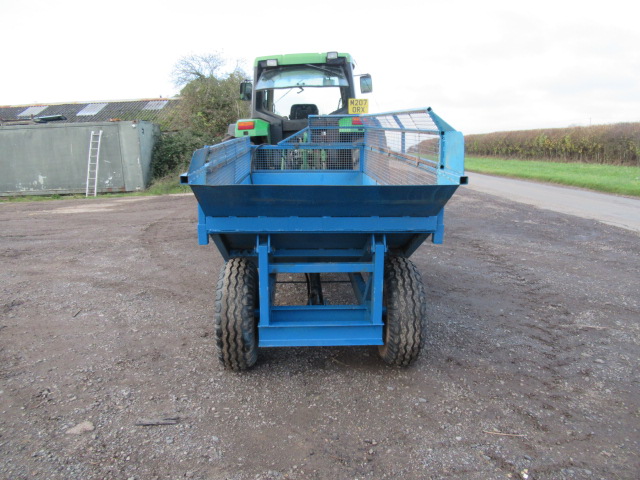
[
  {"x": 602, "y": 178},
  {"x": 167, "y": 185}
]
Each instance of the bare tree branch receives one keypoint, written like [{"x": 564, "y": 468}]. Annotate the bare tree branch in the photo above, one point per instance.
[{"x": 197, "y": 67}]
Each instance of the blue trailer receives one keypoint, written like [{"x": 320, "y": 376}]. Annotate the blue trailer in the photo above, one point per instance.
[{"x": 338, "y": 199}]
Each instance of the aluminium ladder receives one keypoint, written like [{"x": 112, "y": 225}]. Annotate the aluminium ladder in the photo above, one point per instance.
[{"x": 93, "y": 163}]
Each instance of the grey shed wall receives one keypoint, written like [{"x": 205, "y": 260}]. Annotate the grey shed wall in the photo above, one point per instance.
[{"x": 52, "y": 158}]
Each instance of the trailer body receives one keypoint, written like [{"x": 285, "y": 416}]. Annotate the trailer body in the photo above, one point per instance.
[{"x": 328, "y": 200}]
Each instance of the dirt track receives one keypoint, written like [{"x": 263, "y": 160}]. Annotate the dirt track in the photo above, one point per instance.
[{"x": 531, "y": 368}]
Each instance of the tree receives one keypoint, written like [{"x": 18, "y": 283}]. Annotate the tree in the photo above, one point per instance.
[
  {"x": 210, "y": 99},
  {"x": 194, "y": 67},
  {"x": 209, "y": 102}
]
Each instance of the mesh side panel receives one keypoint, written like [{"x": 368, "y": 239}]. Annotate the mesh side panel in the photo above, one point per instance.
[
  {"x": 227, "y": 163},
  {"x": 391, "y": 169},
  {"x": 324, "y": 145},
  {"x": 298, "y": 137},
  {"x": 242, "y": 168},
  {"x": 399, "y": 148},
  {"x": 414, "y": 120},
  {"x": 221, "y": 174},
  {"x": 328, "y": 129},
  {"x": 313, "y": 157},
  {"x": 401, "y": 158},
  {"x": 324, "y": 122},
  {"x": 402, "y": 149}
]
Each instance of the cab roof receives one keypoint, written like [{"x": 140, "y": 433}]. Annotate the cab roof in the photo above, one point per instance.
[{"x": 301, "y": 58}]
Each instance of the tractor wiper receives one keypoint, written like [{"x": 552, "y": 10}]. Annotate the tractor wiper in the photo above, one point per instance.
[{"x": 325, "y": 70}]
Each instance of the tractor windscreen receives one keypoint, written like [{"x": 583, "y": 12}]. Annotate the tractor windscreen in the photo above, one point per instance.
[{"x": 321, "y": 86}]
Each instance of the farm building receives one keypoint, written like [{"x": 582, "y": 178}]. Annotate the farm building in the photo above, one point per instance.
[{"x": 56, "y": 148}]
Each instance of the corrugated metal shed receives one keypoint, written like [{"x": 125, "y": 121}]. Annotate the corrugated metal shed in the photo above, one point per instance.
[
  {"x": 52, "y": 157},
  {"x": 150, "y": 109}
]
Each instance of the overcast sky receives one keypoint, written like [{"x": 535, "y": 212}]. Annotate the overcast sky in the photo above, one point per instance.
[{"x": 482, "y": 65}]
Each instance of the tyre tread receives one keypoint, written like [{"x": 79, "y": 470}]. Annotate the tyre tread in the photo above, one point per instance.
[
  {"x": 235, "y": 327},
  {"x": 406, "y": 312}
]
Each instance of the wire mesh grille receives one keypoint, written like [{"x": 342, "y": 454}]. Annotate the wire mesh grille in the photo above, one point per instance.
[
  {"x": 334, "y": 129},
  {"x": 417, "y": 120},
  {"x": 227, "y": 163},
  {"x": 394, "y": 149},
  {"x": 395, "y": 155},
  {"x": 324, "y": 145},
  {"x": 309, "y": 157},
  {"x": 401, "y": 148}
]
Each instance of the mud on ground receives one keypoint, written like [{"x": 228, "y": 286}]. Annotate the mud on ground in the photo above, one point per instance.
[{"x": 530, "y": 368}]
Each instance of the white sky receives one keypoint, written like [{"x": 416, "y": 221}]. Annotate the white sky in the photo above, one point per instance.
[{"x": 482, "y": 65}]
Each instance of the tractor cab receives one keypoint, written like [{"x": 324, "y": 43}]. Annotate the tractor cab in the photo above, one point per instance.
[{"x": 288, "y": 88}]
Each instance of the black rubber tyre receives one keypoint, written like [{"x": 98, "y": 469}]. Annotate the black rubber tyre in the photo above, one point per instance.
[
  {"x": 236, "y": 326},
  {"x": 405, "y": 317}
]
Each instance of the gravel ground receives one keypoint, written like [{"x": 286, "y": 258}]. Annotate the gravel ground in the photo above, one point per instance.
[{"x": 530, "y": 369}]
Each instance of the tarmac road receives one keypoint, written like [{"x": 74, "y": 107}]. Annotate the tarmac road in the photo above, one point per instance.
[
  {"x": 614, "y": 210},
  {"x": 530, "y": 369}
]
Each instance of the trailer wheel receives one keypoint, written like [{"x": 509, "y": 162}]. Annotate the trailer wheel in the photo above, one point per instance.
[
  {"x": 236, "y": 326},
  {"x": 404, "y": 321}
]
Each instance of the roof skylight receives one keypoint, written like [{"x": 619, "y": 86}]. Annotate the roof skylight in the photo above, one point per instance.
[
  {"x": 91, "y": 109},
  {"x": 32, "y": 111}
]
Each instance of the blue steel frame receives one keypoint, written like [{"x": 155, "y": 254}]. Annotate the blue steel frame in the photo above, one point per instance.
[
  {"x": 322, "y": 325},
  {"x": 236, "y": 206}
]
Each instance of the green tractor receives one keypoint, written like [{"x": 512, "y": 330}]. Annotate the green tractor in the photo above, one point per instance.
[{"x": 288, "y": 88}]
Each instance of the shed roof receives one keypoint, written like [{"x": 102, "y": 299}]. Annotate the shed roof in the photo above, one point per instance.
[{"x": 150, "y": 109}]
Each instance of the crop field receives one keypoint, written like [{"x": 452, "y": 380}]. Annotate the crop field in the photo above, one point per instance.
[{"x": 616, "y": 144}]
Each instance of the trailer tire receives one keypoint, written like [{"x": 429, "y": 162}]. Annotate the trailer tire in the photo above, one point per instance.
[
  {"x": 405, "y": 318},
  {"x": 235, "y": 321}
]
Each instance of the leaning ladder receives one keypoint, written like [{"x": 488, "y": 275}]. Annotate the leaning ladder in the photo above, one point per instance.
[{"x": 93, "y": 162}]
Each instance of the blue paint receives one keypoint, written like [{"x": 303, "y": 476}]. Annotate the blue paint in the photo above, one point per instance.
[{"x": 385, "y": 200}]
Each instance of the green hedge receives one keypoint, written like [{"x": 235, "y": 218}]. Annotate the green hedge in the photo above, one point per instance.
[
  {"x": 616, "y": 144},
  {"x": 172, "y": 152}
]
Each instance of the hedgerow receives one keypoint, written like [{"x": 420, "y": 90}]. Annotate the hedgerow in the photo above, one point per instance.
[{"x": 616, "y": 144}]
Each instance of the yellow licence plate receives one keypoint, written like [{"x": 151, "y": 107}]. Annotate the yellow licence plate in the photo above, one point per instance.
[{"x": 358, "y": 106}]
